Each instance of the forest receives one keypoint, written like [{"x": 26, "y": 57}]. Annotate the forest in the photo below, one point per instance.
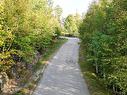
[
  {"x": 29, "y": 28},
  {"x": 104, "y": 35}
]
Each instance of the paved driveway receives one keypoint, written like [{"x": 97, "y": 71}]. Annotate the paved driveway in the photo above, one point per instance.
[{"x": 63, "y": 75}]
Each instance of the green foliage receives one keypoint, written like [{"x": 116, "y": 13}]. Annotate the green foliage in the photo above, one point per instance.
[
  {"x": 95, "y": 85},
  {"x": 71, "y": 24},
  {"x": 58, "y": 32},
  {"x": 103, "y": 32},
  {"x": 26, "y": 26},
  {"x": 6, "y": 40}
]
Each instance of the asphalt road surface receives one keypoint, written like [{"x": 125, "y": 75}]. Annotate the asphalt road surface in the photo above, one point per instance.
[{"x": 63, "y": 76}]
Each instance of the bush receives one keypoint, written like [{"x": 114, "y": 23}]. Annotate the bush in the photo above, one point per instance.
[
  {"x": 103, "y": 32},
  {"x": 26, "y": 26}
]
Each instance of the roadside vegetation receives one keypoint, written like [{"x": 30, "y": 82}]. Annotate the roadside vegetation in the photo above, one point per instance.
[
  {"x": 103, "y": 33},
  {"x": 71, "y": 25},
  {"x": 29, "y": 34},
  {"x": 29, "y": 29},
  {"x": 95, "y": 84},
  {"x": 39, "y": 68}
]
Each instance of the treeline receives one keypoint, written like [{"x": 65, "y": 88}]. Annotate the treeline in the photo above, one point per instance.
[
  {"x": 27, "y": 27},
  {"x": 71, "y": 24},
  {"x": 104, "y": 35}
]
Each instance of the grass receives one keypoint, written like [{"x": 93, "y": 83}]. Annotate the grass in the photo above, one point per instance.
[
  {"x": 48, "y": 54},
  {"x": 95, "y": 84}
]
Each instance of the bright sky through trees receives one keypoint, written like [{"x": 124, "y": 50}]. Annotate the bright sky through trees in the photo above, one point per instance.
[{"x": 71, "y": 6}]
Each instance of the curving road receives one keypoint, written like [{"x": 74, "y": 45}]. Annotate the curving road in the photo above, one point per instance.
[{"x": 63, "y": 75}]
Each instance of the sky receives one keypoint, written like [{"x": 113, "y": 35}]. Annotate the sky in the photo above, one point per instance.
[{"x": 73, "y": 6}]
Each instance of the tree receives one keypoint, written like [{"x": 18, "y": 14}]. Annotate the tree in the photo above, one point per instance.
[
  {"x": 103, "y": 32},
  {"x": 27, "y": 27},
  {"x": 71, "y": 24},
  {"x": 58, "y": 12}
]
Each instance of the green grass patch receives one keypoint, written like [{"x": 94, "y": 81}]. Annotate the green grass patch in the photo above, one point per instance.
[
  {"x": 52, "y": 49},
  {"x": 48, "y": 54},
  {"x": 95, "y": 84}
]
